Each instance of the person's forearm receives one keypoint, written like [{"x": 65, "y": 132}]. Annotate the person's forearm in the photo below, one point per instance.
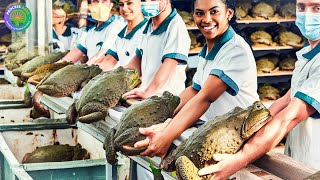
[
  {"x": 187, "y": 116},
  {"x": 280, "y": 104},
  {"x": 272, "y": 133},
  {"x": 97, "y": 58},
  {"x": 107, "y": 63},
  {"x": 73, "y": 56},
  {"x": 165, "y": 71},
  {"x": 185, "y": 96}
]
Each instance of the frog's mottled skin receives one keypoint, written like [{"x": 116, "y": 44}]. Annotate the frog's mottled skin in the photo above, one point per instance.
[
  {"x": 223, "y": 134},
  {"x": 287, "y": 64},
  {"x": 16, "y": 46},
  {"x": 288, "y": 10},
  {"x": 240, "y": 13},
  {"x": 23, "y": 56},
  {"x": 291, "y": 39},
  {"x": 153, "y": 110},
  {"x": 38, "y": 61},
  {"x": 261, "y": 37},
  {"x": 69, "y": 79},
  {"x": 263, "y": 9},
  {"x": 102, "y": 93},
  {"x": 242, "y": 9},
  {"x": 56, "y": 153},
  {"x": 8, "y": 60},
  {"x": 8, "y": 56},
  {"x": 269, "y": 92},
  {"x": 36, "y": 76},
  {"x": 273, "y": 58},
  {"x": 264, "y": 65},
  {"x": 315, "y": 176}
]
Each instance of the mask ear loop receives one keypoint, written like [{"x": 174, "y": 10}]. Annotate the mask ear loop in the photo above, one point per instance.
[{"x": 165, "y": 6}]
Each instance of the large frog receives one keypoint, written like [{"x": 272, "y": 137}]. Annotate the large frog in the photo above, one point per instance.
[
  {"x": 223, "y": 134},
  {"x": 287, "y": 64},
  {"x": 268, "y": 92},
  {"x": 289, "y": 38},
  {"x": 23, "y": 56},
  {"x": 242, "y": 9},
  {"x": 153, "y": 110},
  {"x": 264, "y": 65},
  {"x": 36, "y": 62},
  {"x": 67, "y": 80},
  {"x": 8, "y": 59},
  {"x": 263, "y": 10},
  {"x": 16, "y": 46},
  {"x": 315, "y": 176},
  {"x": 288, "y": 10},
  {"x": 56, "y": 153},
  {"x": 102, "y": 93},
  {"x": 37, "y": 75},
  {"x": 261, "y": 38}
]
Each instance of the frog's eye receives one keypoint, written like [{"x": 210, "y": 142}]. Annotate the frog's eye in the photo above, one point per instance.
[{"x": 258, "y": 106}]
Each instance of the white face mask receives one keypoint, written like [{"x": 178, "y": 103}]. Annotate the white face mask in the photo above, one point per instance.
[
  {"x": 100, "y": 12},
  {"x": 151, "y": 8},
  {"x": 309, "y": 25}
]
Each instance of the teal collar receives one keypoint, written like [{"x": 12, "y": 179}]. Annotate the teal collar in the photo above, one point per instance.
[
  {"x": 54, "y": 34},
  {"x": 134, "y": 30},
  {"x": 311, "y": 54},
  {"x": 105, "y": 24},
  {"x": 66, "y": 33},
  {"x": 222, "y": 40},
  {"x": 163, "y": 26}
]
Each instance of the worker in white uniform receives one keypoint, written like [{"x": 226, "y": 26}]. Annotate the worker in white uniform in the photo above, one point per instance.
[
  {"x": 161, "y": 57},
  {"x": 162, "y": 54},
  {"x": 129, "y": 37},
  {"x": 99, "y": 38},
  {"x": 296, "y": 113},
  {"x": 226, "y": 77},
  {"x": 64, "y": 37}
]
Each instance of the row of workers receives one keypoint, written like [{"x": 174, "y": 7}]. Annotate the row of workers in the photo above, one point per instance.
[{"x": 225, "y": 77}]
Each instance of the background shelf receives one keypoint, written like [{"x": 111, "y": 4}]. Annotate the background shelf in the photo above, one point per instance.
[
  {"x": 269, "y": 48},
  {"x": 276, "y": 73},
  {"x": 258, "y": 21}
]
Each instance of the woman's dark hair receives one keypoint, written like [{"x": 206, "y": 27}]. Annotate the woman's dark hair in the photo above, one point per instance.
[
  {"x": 233, "y": 21},
  {"x": 231, "y": 4}
]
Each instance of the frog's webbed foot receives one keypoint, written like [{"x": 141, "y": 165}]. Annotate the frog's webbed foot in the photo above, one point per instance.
[{"x": 186, "y": 170}]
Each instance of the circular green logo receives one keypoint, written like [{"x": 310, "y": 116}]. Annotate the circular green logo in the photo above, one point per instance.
[{"x": 17, "y": 17}]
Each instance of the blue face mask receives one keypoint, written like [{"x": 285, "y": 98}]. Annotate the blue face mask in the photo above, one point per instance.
[
  {"x": 309, "y": 25},
  {"x": 151, "y": 8}
]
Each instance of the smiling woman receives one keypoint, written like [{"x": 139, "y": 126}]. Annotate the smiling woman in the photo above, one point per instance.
[
  {"x": 225, "y": 78},
  {"x": 213, "y": 19}
]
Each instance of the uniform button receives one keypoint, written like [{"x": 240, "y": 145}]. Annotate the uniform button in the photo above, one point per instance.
[{"x": 127, "y": 53}]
